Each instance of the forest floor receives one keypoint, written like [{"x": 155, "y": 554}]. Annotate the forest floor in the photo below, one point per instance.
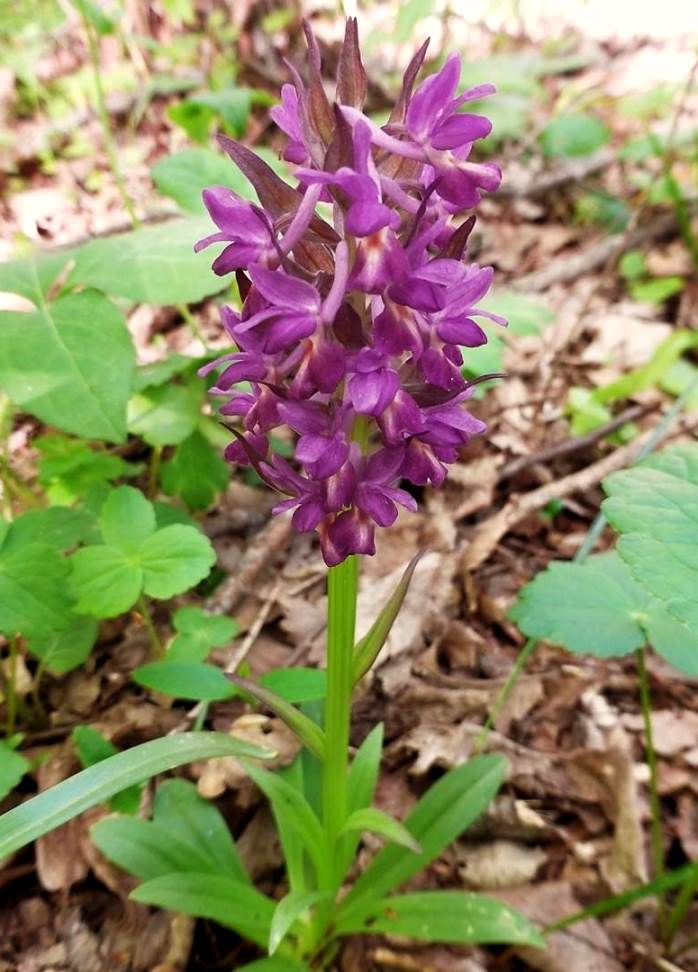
[{"x": 571, "y": 825}]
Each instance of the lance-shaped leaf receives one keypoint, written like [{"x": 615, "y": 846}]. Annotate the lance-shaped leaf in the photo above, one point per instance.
[
  {"x": 367, "y": 649},
  {"x": 309, "y": 733},
  {"x": 53, "y": 807},
  {"x": 351, "y": 76},
  {"x": 377, "y": 822},
  {"x": 292, "y": 907}
]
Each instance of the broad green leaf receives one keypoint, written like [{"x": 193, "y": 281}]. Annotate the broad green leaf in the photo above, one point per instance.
[
  {"x": 60, "y": 803},
  {"x": 92, "y": 747},
  {"x": 69, "y": 468},
  {"x": 656, "y": 290},
  {"x": 573, "y": 135},
  {"x": 166, "y": 414},
  {"x": 197, "y": 472},
  {"x": 159, "y": 372},
  {"x": 185, "y": 680},
  {"x": 442, "y": 814},
  {"x": 451, "y": 917},
  {"x": 32, "y": 590},
  {"x": 287, "y": 912},
  {"x": 525, "y": 316},
  {"x": 146, "y": 849},
  {"x": 293, "y": 815},
  {"x": 155, "y": 265},
  {"x": 127, "y": 520},
  {"x": 595, "y": 607},
  {"x": 13, "y": 766},
  {"x": 32, "y": 276},
  {"x": 174, "y": 559},
  {"x": 185, "y": 814},
  {"x": 225, "y": 900},
  {"x": 274, "y": 964},
  {"x": 675, "y": 640},
  {"x": 64, "y": 648},
  {"x": 167, "y": 514},
  {"x": 653, "y": 505},
  {"x": 378, "y": 822},
  {"x": 310, "y": 734},
  {"x": 367, "y": 649},
  {"x": 70, "y": 363},
  {"x": 104, "y": 581},
  {"x": 57, "y": 527},
  {"x": 184, "y": 175}
]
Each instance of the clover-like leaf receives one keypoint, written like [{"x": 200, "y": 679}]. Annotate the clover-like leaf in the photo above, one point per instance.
[
  {"x": 197, "y": 472},
  {"x": 174, "y": 559},
  {"x": 199, "y": 632}
]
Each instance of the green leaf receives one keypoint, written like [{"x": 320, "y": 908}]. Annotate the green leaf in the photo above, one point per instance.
[
  {"x": 274, "y": 964},
  {"x": 408, "y": 16},
  {"x": 197, "y": 472},
  {"x": 166, "y": 414},
  {"x": 69, "y": 468},
  {"x": 681, "y": 376},
  {"x": 12, "y": 768},
  {"x": 92, "y": 747},
  {"x": 309, "y": 733},
  {"x": 65, "y": 647},
  {"x": 451, "y": 917},
  {"x": 198, "y": 633},
  {"x": 146, "y": 849},
  {"x": 294, "y": 816},
  {"x": 296, "y": 685},
  {"x": 185, "y": 680},
  {"x": 159, "y": 372},
  {"x": 127, "y": 520},
  {"x": 657, "y": 290},
  {"x": 174, "y": 559},
  {"x": 184, "y": 175},
  {"x": 186, "y": 815},
  {"x": 363, "y": 776},
  {"x": 32, "y": 596},
  {"x": 592, "y": 608},
  {"x": 287, "y": 912},
  {"x": 104, "y": 581},
  {"x": 60, "y": 803},
  {"x": 225, "y": 900},
  {"x": 367, "y": 649},
  {"x": 442, "y": 814},
  {"x": 378, "y": 822},
  {"x": 573, "y": 135},
  {"x": 70, "y": 363},
  {"x": 632, "y": 265},
  {"x": 675, "y": 640},
  {"x": 526, "y": 316},
  {"x": 57, "y": 527},
  {"x": 33, "y": 276},
  {"x": 155, "y": 265},
  {"x": 653, "y": 506}
]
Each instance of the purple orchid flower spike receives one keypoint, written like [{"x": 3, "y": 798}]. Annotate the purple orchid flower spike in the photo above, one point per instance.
[{"x": 351, "y": 335}]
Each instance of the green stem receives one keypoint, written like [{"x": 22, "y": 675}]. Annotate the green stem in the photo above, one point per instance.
[
  {"x": 154, "y": 471},
  {"x": 681, "y": 906},
  {"x": 109, "y": 144},
  {"x": 11, "y": 689},
  {"x": 342, "y": 589},
  {"x": 150, "y": 628},
  {"x": 657, "y": 836},
  {"x": 187, "y": 315},
  {"x": 503, "y": 694}
]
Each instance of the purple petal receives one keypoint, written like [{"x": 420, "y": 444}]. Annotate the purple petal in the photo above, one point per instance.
[
  {"x": 463, "y": 331},
  {"x": 430, "y": 98},
  {"x": 460, "y": 130},
  {"x": 371, "y": 393},
  {"x": 373, "y": 501},
  {"x": 281, "y": 289}
]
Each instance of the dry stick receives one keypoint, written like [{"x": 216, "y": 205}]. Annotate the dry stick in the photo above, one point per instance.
[
  {"x": 650, "y": 444},
  {"x": 576, "y": 443}
]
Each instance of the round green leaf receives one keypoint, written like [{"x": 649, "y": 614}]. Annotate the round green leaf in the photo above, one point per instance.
[
  {"x": 573, "y": 135},
  {"x": 174, "y": 559},
  {"x": 104, "y": 581},
  {"x": 127, "y": 519}
]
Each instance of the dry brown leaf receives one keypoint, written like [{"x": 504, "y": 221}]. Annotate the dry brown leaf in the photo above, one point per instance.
[
  {"x": 218, "y": 775},
  {"x": 583, "y": 948},
  {"x": 60, "y": 862},
  {"x": 499, "y": 864}
]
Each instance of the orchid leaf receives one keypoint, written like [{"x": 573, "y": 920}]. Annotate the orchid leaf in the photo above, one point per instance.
[{"x": 310, "y": 734}]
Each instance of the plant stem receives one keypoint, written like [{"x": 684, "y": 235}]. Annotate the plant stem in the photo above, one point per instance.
[
  {"x": 109, "y": 144},
  {"x": 681, "y": 906},
  {"x": 342, "y": 589},
  {"x": 11, "y": 688},
  {"x": 154, "y": 471},
  {"x": 655, "y": 803},
  {"x": 503, "y": 694},
  {"x": 191, "y": 320},
  {"x": 153, "y": 637}
]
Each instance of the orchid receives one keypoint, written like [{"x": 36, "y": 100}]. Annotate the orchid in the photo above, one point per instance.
[{"x": 350, "y": 334}]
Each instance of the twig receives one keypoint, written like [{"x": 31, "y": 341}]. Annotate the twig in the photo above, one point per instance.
[
  {"x": 575, "y": 444},
  {"x": 261, "y": 553},
  {"x": 655, "y": 801}
]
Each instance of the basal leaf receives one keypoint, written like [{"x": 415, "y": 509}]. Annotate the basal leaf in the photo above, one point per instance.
[
  {"x": 57, "y": 527},
  {"x": 166, "y": 414},
  {"x": 127, "y": 520},
  {"x": 442, "y": 814},
  {"x": 71, "y": 364},
  {"x": 225, "y": 900},
  {"x": 184, "y": 175},
  {"x": 452, "y": 917},
  {"x": 65, "y": 647},
  {"x": 378, "y": 822},
  {"x": 60, "y": 803},
  {"x": 33, "y": 599},
  {"x": 289, "y": 909},
  {"x": 32, "y": 276}
]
